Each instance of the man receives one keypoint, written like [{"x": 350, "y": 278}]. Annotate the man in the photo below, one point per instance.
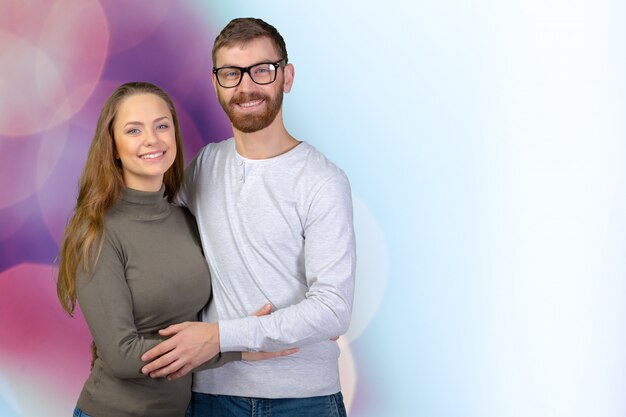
[{"x": 275, "y": 218}]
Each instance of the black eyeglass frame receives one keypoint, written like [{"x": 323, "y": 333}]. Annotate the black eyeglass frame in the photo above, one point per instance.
[{"x": 244, "y": 70}]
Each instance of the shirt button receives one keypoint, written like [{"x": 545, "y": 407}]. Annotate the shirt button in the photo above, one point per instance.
[{"x": 239, "y": 162}]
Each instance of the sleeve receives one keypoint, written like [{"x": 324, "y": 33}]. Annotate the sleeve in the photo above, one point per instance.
[
  {"x": 330, "y": 263},
  {"x": 218, "y": 360},
  {"x": 186, "y": 192},
  {"x": 107, "y": 304}
]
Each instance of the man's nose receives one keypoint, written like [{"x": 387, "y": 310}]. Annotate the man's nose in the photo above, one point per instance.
[{"x": 246, "y": 81}]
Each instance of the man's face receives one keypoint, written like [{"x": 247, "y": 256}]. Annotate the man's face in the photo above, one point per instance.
[{"x": 249, "y": 106}]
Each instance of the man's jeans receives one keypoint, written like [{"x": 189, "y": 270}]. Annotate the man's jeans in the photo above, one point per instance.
[{"x": 209, "y": 405}]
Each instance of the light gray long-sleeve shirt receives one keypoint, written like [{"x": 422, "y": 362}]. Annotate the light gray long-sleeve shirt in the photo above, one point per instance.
[{"x": 274, "y": 231}]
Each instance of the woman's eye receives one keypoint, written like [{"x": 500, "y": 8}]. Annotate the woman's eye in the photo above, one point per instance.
[
  {"x": 163, "y": 126},
  {"x": 132, "y": 131}
]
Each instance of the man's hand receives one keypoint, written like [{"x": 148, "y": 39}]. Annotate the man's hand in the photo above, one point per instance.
[
  {"x": 260, "y": 356},
  {"x": 190, "y": 344}
]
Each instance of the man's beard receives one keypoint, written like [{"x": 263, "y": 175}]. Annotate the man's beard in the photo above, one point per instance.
[{"x": 249, "y": 123}]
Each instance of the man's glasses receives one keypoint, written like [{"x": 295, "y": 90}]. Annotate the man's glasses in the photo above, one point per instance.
[{"x": 263, "y": 73}]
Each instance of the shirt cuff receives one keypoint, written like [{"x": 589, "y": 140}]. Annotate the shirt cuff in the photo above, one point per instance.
[{"x": 234, "y": 334}]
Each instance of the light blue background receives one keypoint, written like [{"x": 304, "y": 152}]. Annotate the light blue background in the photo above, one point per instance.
[{"x": 487, "y": 141}]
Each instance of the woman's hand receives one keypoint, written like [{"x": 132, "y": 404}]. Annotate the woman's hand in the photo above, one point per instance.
[{"x": 260, "y": 356}]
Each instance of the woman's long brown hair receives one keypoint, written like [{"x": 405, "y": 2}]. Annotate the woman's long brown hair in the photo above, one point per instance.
[{"x": 100, "y": 186}]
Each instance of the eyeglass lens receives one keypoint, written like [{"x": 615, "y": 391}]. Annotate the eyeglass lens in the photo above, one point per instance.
[{"x": 260, "y": 74}]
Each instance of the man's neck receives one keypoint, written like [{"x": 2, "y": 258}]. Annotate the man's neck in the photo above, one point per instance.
[{"x": 267, "y": 143}]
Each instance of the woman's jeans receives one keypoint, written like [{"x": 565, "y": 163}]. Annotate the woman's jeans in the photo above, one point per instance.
[
  {"x": 203, "y": 405},
  {"x": 78, "y": 413}
]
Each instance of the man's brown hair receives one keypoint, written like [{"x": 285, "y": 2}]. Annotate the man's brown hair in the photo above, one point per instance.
[{"x": 245, "y": 29}]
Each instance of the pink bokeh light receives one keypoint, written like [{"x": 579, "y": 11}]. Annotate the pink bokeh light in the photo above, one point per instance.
[
  {"x": 44, "y": 344},
  {"x": 139, "y": 20},
  {"x": 13, "y": 217},
  {"x": 51, "y": 67},
  {"x": 25, "y": 165}
]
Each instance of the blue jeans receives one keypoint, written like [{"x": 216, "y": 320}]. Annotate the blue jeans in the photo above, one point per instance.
[
  {"x": 79, "y": 413},
  {"x": 209, "y": 405}
]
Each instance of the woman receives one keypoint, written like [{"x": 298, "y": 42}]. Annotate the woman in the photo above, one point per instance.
[{"x": 131, "y": 259}]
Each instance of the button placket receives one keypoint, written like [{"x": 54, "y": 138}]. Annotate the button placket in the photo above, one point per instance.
[{"x": 242, "y": 170}]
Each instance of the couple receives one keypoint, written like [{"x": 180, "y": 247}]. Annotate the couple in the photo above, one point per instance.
[{"x": 274, "y": 221}]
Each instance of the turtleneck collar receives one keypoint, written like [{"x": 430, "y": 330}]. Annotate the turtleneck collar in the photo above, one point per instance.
[{"x": 144, "y": 205}]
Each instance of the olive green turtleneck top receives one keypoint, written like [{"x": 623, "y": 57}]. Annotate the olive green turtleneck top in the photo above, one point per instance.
[{"x": 150, "y": 273}]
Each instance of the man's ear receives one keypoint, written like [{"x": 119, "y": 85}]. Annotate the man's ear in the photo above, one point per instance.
[
  {"x": 289, "y": 73},
  {"x": 214, "y": 81}
]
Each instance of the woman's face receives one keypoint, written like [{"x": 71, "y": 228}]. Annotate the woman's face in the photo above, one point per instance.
[{"x": 145, "y": 139}]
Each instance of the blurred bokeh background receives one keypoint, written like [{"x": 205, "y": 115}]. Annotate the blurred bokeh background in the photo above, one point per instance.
[{"x": 485, "y": 144}]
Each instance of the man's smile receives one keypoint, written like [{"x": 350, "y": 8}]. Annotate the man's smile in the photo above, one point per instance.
[{"x": 249, "y": 104}]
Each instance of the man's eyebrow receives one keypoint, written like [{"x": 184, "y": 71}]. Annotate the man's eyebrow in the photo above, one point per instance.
[{"x": 265, "y": 61}]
